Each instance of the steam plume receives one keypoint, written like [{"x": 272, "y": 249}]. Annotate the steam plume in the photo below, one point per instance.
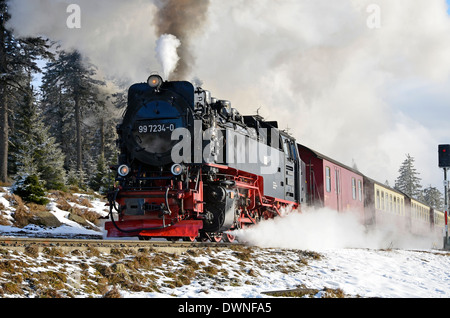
[
  {"x": 182, "y": 19},
  {"x": 321, "y": 229},
  {"x": 166, "y": 53}
]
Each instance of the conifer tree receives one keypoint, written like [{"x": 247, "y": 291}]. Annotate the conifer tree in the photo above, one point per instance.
[
  {"x": 17, "y": 58},
  {"x": 104, "y": 141},
  {"x": 409, "y": 181},
  {"x": 70, "y": 93},
  {"x": 433, "y": 197},
  {"x": 4, "y": 130},
  {"x": 103, "y": 179},
  {"x": 56, "y": 107},
  {"x": 34, "y": 150}
]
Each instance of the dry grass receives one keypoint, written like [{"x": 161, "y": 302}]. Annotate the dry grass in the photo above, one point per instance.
[
  {"x": 24, "y": 213},
  {"x": 113, "y": 293},
  {"x": 242, "y": 252},
  {"x": 210, "y": 270},
  {"x": 5, "y": 184},
  {"x": 49, "y": 293},
  {"x": 334, "y": 293},
  {"x": 310, "y": 254},
  {"x": 32, "y": 251},
  {"x": 54, "y": 252},
  {"x": 4, "y": 220},
  {"x": 69, "y": 196},
  {"x": 304, "y": 292},
  {"x": 34, "y": 208},
  {"x": 11, "y": 288},
  {"x": 62, "y": 204}
]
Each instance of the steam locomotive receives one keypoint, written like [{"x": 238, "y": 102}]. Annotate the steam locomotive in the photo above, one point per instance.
[{"x": 192, "y": 167}]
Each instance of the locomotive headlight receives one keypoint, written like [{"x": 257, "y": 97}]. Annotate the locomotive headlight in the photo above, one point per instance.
[
  {"x": 177, "y": 169},
  {"x": 155, "y": 81},
  {"x": 123, "y": 170}
]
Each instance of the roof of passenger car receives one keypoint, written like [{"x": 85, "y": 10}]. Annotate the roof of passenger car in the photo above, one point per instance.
[{"x": 322, "y": 156}]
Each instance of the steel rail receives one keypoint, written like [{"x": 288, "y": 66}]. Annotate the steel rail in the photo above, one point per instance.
[{"x": 105, "y": 246}]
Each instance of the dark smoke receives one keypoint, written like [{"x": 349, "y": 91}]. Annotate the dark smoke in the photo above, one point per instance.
[{"x": 183, "y": 19}]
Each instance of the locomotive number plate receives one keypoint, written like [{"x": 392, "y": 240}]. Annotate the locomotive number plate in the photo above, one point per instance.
[{"x": 156, "y": 128}]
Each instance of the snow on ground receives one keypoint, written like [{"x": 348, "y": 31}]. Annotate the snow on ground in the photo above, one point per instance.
[
  {"x": 377, "y": 273},
  {"x": 281, "y": 263}
]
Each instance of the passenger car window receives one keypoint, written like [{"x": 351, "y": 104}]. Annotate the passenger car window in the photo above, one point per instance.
[
  {"x": 328, "y": 178},
  {"x": 360, "y": 190},
  {"x": 378, "y": 200},
  {"x": 354, "y": 188}
]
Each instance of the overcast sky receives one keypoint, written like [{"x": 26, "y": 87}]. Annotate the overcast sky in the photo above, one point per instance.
[{"x": 364, "y": 81}]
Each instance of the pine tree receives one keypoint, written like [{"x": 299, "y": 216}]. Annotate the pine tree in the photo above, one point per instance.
[
  {"x": 103, "y": 178},
  {"x": 408, "y": 181},
  {"x": 103, "y": 147},
  {"x": 433, "y": 197},
  {"x": 30, "y": 189},
  {"x": 17, "y": 58},
  {"x": 4, "y": 42},
  {"x": 57, "y": 111},
  {"x": 70, "y": 94},
  {"x": 34, "y": 151}
]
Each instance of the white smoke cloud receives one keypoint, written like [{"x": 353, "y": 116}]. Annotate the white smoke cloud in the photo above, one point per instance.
[
  {"x": 166, "y": 53},
  {"x": 315, "y": 66}
]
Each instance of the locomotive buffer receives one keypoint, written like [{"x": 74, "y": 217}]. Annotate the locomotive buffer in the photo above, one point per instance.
[{"x": 444, "y": 162}]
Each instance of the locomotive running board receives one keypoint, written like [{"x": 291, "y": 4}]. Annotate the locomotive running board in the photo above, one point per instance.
[{"x": 188, "y": 228}]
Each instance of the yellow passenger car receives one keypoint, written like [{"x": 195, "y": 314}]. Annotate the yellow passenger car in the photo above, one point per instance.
[{"x": 385, "y": 207}]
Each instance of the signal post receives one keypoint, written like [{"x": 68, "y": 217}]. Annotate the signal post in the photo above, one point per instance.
[
  {"x": 446, "y": 238},
  {"x": 444, "y": 162}
]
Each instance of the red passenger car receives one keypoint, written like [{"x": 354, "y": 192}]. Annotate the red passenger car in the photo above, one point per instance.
[{"x": 331, "y": 184}]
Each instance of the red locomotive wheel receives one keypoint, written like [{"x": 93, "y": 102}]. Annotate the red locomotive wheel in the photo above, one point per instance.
[
  {"x": 228, "y": 238},
  {"x": 217, "y": 238}
]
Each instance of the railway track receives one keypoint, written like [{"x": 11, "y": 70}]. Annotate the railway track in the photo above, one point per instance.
[{"x": 104, "y": 246}]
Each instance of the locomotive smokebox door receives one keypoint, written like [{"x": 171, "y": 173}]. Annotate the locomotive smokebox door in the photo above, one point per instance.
[{"x": 444, "y": 156}]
